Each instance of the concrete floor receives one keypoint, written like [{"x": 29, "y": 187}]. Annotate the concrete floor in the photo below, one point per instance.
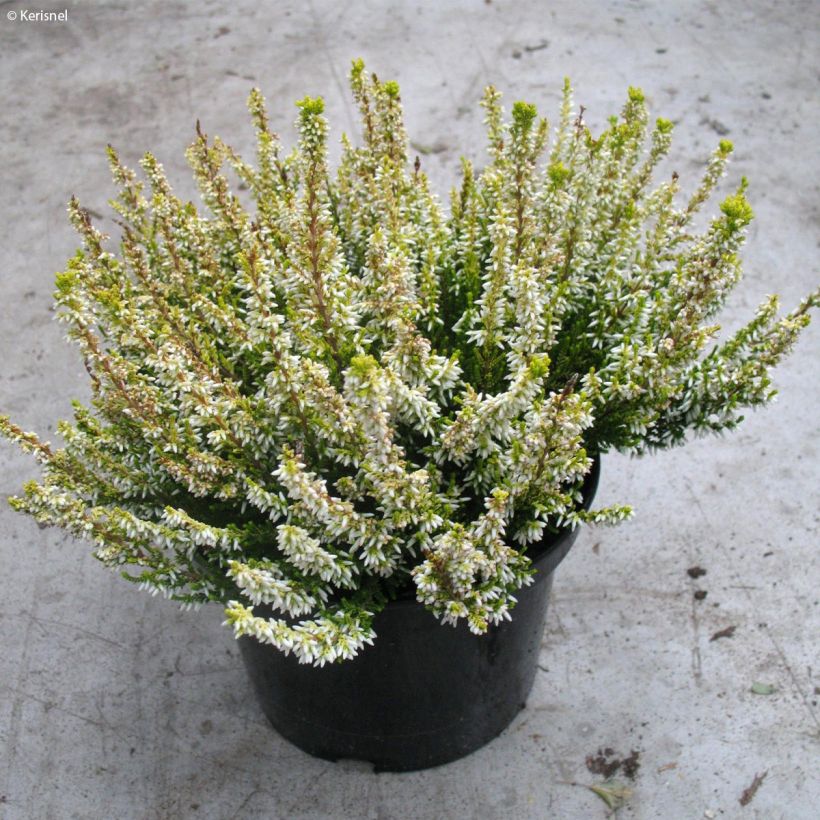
[{"x": 117, "y": 705}]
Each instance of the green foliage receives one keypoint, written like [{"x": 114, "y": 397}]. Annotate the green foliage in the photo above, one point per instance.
[
  {"x": 340, "y": 390},
  {"x": 524, "y": 115},
  {"x": 738, "y": 211},
  {"x": 311, "y": 106},
  {"x": 664, "y": 126}
]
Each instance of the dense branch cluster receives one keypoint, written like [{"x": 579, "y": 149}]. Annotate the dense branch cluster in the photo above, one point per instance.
[{"x": 343, "y": 390}]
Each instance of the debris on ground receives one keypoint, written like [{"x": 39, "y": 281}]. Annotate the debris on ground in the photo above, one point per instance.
[
  {"x": 631, "y": 764},
  {"x": 613, "y": 793},
  {"x": 606, "y": 763},
  {"x": 763, "y": 688},
  {"x": 599, "y": 764},
  {"x": 751, "y": 791},
  {"x": 696, "y": 572},
  {"x": 667, "y": 767},
  {"x": 700, "y": 594},
  {"x": 723, "y": 633}
]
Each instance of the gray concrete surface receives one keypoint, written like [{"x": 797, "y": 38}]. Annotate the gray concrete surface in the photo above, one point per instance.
[{"x": 117, "y": 705}]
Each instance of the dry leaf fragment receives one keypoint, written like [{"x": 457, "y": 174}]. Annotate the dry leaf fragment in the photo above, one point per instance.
[
  {"x": 613, "y": 793},
  {"x": 751, "y": 791},
  {"x": 723, "y": 633}
]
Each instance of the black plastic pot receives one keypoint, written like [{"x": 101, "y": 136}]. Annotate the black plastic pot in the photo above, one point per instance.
[{"x": 424, "y": 694}]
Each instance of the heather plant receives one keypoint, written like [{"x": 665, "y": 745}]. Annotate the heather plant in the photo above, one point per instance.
[{"x": 342, "y": 391}]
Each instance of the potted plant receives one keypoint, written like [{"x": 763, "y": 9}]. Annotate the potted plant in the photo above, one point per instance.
[{"x": 346, "y": 414}]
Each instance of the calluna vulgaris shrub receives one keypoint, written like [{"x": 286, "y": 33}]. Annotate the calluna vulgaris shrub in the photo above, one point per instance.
[{"x": 347, "y": 391}]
